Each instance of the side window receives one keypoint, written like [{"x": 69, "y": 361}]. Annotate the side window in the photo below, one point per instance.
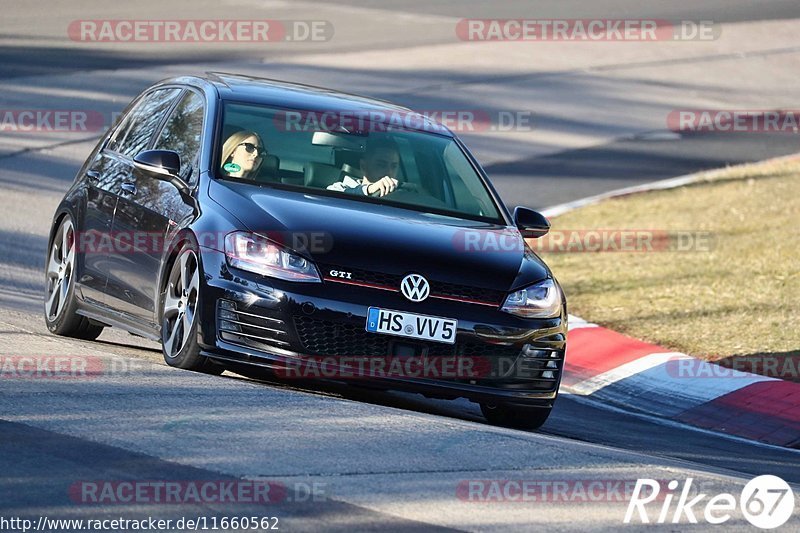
[
  {"x": 138, "y": 127},
  {"x": 182, "y": 132}
]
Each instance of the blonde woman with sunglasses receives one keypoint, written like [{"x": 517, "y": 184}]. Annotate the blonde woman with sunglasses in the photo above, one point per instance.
[{"x": 242, "y": 155}]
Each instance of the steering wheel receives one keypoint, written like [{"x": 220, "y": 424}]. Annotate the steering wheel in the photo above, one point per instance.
[
  {"x": 403, "y": 186},
  {"x": 413, "y": 194}
]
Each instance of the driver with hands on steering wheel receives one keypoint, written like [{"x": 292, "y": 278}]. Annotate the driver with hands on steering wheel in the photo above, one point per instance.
[{"x": 379, "y": 164}]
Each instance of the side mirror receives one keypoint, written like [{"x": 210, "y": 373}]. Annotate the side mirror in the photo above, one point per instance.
[
  {"x": 163, "y": 165},
  {"x": 159, "y": 162},
  {"x": 532, "y": 224}
]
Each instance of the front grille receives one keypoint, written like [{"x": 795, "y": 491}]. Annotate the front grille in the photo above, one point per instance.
[
  {"x": 325, "y": 337},
  {"x": 438, "y": 288},
  {"x": 251, "y": 326},
  {"x": 494, "y": 364}
]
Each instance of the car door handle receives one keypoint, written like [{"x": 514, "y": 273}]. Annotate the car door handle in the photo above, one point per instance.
[
  {"x": 128, "y": 187},
  {"x": 93, "y": 175}
]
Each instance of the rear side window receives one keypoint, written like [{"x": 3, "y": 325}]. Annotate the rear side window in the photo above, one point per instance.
[
  {"x": 183, "y": 130},
  {"x": 138, "y": 127}
]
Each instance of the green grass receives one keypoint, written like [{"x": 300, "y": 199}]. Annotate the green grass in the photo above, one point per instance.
[{"x": 741, "y": 297}]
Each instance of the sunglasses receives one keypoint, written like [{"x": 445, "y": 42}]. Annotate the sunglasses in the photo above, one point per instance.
[{"x": 250, "y": 148}]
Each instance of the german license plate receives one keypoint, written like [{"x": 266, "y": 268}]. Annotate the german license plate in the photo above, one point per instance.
[{"x": 402, "y": 324}]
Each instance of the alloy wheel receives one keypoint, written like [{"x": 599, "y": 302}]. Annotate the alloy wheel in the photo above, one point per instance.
[
  {"x": 180, "y": 303},
  {"x": 60, "y": 266}
]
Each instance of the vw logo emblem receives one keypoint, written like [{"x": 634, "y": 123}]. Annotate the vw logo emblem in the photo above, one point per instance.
[{"x": 415, "y": 287}]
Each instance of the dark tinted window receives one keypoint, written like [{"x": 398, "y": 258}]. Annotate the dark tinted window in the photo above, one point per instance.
[
  {"x": 183, "y": 130},
  {"x": 314, "y": 154},
  {"x": 138, "y": 127}
]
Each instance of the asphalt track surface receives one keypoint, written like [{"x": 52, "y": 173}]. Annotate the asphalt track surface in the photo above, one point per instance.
[{"x": 384, "y": 460}]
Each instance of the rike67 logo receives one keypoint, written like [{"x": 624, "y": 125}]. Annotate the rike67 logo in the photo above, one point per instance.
[{"x": 767, "y": 502}]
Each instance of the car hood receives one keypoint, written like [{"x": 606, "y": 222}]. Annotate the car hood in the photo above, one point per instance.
[{"x": 341, "y": 234}]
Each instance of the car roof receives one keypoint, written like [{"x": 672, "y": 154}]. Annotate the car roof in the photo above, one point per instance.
[{"x": 277, "y": 93}]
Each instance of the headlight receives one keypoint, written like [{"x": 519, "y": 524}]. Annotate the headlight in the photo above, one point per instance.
[
  {"x": 257, "y": 254},
  {"x": 541, "y": 300}
]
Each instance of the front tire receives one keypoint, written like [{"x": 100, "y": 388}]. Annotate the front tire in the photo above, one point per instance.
[
  {"x": 180, "y": 305},
  {"x": 60, "y": 306},
  {"x": 515, "y": 417}
]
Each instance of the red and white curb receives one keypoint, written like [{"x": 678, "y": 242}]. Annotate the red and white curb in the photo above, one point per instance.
[
  {"x": 643, "y": 377},
  {"x": 616, "y": 369}
]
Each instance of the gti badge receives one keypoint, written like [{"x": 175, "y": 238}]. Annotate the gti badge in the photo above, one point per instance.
[
  {"x": 415, "y": 287},
  {"x": 340, "y": 274}
]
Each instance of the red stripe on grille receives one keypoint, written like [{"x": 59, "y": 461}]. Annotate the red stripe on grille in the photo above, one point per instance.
[{"x": 465, "y": 300}]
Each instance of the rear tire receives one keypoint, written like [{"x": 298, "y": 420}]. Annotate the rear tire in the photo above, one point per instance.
[
  {"x": 60, "y": 305},
  {"x": 515, "y": 417},
  {"x": 180, "y": 306}
]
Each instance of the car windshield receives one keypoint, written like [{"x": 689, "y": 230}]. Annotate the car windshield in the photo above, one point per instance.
[{"x": 346, "y": 155}]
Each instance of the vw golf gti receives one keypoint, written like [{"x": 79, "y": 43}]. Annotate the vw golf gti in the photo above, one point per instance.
[{"x": 315, "y": 234}]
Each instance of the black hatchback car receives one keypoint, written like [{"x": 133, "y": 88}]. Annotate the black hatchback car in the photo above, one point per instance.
[{"x": 244, "y": 221}]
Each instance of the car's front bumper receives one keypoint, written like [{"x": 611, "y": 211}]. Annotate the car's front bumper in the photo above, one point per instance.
[{"x": 317, "y": 330}]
